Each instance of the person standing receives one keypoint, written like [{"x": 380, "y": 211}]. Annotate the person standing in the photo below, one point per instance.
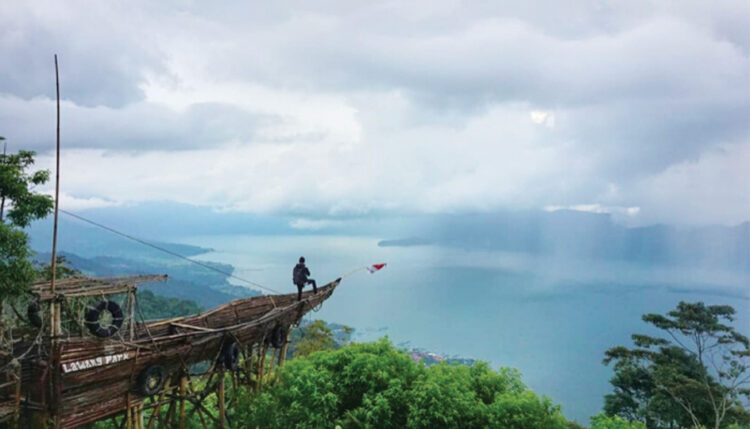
[{"x": 300, "y": 277}]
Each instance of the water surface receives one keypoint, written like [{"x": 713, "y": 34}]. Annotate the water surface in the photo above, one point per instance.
[{"x": 550, "y": 318}]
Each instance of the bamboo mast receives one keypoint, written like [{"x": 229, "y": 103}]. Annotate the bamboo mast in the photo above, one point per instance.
[
  {"x": 2, "y": 200},
  {"x": 54, "y": 319},
  {"x": 54, "y": 313}
]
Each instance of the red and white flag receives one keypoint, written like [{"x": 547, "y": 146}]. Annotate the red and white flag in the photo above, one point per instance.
[{"x": 375, "y": 267}]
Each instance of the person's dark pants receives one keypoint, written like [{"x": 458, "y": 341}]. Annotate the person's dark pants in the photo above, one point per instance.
[{"x": 300, "y": 286}]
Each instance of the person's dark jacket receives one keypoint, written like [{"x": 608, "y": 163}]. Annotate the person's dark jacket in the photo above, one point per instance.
[{"x": 300, "y": 274}]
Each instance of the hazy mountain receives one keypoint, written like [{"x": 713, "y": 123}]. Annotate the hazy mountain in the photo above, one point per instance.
[
  {"x": 565, "y": 234},
  {"x": 571, "y": 234}
]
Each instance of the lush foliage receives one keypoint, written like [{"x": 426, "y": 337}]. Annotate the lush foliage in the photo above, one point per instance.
[
  {"x": 695, "y": 377},
  {"x": 19, "y": 205},
  {"x": 18, "y": 201},
  {"x": 159, "y": 307},
  {"x": 315, "y": 336},
  {"x": 375, "y": 385},
  {"x": 603, "y": 421},
  {"x": 63, "y": 269},
  {"x": 16, "y": 273}
]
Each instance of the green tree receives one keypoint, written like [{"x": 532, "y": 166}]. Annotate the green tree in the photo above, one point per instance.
[
  {"x": 373, "y": 385},
  {"x": 16, "y": 272},
  {"x": 314, "y": 337},
  {"x": 603, "y": 421},
  {"x": 697, "y": 375},
  {"x": 310, "y": 337},
  {"x": 63, "y": 269},
  {"x": 18, "y": 201},
  {"x": 160, "y": 307},
  {"x": 19, "y": 205}
]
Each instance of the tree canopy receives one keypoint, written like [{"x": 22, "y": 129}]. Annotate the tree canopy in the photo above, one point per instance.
[
  {"x": 374, "y": 385},
  {"x": 19, "y": 205},
  {"x": 696, "y": 375}
]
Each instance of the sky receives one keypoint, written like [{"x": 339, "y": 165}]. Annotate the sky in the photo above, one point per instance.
[{"x": 342, "y": 109}]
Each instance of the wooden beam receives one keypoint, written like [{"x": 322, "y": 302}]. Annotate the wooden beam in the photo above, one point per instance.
[{"x": 197, "y": 328}]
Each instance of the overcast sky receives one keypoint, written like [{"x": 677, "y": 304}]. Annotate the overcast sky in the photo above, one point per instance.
[{"x": 344, "y": 108}]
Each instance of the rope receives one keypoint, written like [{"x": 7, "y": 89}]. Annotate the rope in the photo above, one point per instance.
[
  {"x": 14, "y": 360},
  {"x": 354, "y": 271},
  {"x": 170, "y": 252}
]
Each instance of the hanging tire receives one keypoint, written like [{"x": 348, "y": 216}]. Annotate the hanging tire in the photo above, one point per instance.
[
  {"x": 151, "y": 380},
  {"x": 230, "y": 355},
  {"x": 95, "y": 326},
  {"x": 34, "y": 315},
  {"x": 277, "y": 339}
]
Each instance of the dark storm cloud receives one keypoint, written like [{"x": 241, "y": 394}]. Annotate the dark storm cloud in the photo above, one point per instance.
[
  {"x": 103, "y": 54},
  {"x": 30, "y": 124}
]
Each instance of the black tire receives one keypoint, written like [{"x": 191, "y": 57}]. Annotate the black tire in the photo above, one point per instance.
[
  {"x": 230, "y": 355},
  {"x": 35, "y": 317},
  {"x": 95, "y": 326},
  {"x": 151, "y": 380},
  {"x": 277, "y": 339}
]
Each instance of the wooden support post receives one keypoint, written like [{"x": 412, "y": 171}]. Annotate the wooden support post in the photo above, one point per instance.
[
  {"x": 249, "y": 358},
  {"x": 139, "y": 417},
  {"x": 183, "y": 381},
  {"x": 282, "y": 356},
  {"x": 170, "y": 412},
  {"x": 220, "y": 395},
  {"x": 128, "y": 419},
  {"x": 261, "y": 365},
  {"x": 39, "y": 420},
  {"x": 197, "y": 409},
  {"x": 17, "y": 411},
  {"x": 157, "y": 409},
  {"x": 131, "y": 305},
  {"x": 270, "y": 365}
]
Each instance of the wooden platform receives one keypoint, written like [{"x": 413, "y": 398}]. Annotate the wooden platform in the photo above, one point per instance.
[{"x": 87, "y": 286}]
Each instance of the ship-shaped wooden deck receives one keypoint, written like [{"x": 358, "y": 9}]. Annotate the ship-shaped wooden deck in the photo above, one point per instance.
[{"x": 79, "y": 379}]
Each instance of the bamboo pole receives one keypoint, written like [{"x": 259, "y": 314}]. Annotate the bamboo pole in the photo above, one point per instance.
[
  {"x": 222, "y": 411},
  {"x": 141, "y": 419},
  {"x": 270, "y": 365},
  {"x": 183, "y": 382},
  {"x": 128, "y": 419},
  {"x": 170, "y": 412},
  {"x": 282, "y": 356},
  {"x": 2, "y": 199},
  {"x": 261, "y": 365},
  {"x": 131, "y": 304},
  {"x": 157, "y": 410},
  {"x": 17, "y": 411},
  {"x": 54, "y": 306}
]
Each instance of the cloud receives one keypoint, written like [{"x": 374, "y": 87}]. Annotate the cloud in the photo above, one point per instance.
[
  {"x": 543, "y": 118},
  {"x": 313, "y": 224},
  {"x": 138, "y": 126},
  {"x": 346, "y": 108},
  {"x": 713, "y": 188},
  {"x": 69, "y": 202},
  {"x": 103, "y": 50},
  {"x": 597, "y": 208}
]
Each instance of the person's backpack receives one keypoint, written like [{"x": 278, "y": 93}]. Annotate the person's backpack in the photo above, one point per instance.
[{"x": 298, "y": 275}]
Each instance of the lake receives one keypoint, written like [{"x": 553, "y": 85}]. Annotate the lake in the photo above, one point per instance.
[{"x": 551, "y": 318}]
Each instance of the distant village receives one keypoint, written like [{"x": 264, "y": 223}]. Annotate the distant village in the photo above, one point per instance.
[{"x": 431, "y": 358}]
